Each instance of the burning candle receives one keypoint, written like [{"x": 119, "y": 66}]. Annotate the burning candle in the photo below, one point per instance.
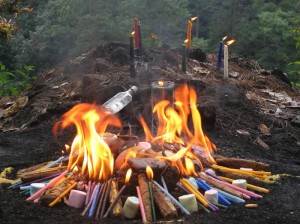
[
  {"x": 136, "y": 32},
  {"x": 219, "y": 64},
  {"x": 226, "y": 57},
  {"x": 140, "y": 39},
  {"x": 160, "y": 90},
  {"x": 131, "y": 54},
  {"x": 189, "y": 32},
  {"x": 127, "y": 178},
  {"x": 77, "y": 199},
  {"x": 150, "y": 177},
  {"x": 189, "y": 202},
  {"x": 131, "y": 207},
  {"x": 142, "y": 209}
]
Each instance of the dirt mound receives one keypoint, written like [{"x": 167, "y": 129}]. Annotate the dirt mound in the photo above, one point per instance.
[{"x": 249, "y": 98}]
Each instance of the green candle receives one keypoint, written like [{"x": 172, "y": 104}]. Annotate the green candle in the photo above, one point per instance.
[
  {"x": 183, "y": 66},
  {"x": 152, "y": 201}
]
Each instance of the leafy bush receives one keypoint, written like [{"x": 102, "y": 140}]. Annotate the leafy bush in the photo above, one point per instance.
[
  {"x": 294, "y": 67},
  {"x": 16, "y": 81}
]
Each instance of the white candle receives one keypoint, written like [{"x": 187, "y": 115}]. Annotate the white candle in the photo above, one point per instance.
[
  {"x": 131, "y": 207},
  {"x": 212, "y": 196},
  {"x": 193, "y": 182},
  {"x": 35, "y": 187},
  {"x": 226, "y": 61},
  {"x": 77, "y": 199},
  {"x": 189, "y": 202},
  {"x": 210, "y": 171},
  {"x": 240, "y": 183}
]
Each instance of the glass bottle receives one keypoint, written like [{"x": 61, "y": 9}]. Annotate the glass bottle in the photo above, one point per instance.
[{"x": 120, "y": 100}]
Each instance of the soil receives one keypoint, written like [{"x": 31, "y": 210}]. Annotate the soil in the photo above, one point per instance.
[{"x": 241, "y": 103}]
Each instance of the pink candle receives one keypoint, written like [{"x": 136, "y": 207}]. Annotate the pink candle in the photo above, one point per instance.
[
  {"x": 49, "y": 185},
  {"x": 141, "y": 204}
]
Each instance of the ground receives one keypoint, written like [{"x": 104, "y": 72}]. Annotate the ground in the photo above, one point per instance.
[{"x": 239, "y": 103}]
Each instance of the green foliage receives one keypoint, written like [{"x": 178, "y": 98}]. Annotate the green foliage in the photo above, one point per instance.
[
  {"x": 294, "y": 67},
  {"x": 14, "y": 82}
]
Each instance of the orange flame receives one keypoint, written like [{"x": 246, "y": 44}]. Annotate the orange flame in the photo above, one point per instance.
[
  {"x": 194, "y": 18},
  {"x": 149, "y": 172},
  {"x": 185, "y": 41},
  {"x": 128, "y": 175},
  {"x": 161, "y": 83},
  {"x": 89, "y": 150},
  {"x": 230, "y": 42},
  {"x": 224, "y": 38},
  {"x": 132, "y": 33},
  {"x": 173, "y": 128}
]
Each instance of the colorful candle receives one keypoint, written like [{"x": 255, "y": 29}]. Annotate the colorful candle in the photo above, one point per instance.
[
  {"x": 189, "y": 32},
  {"x": 150, "y": 175},
  {"x": 95, "y": 199},
  {"x": 219, "y": 64},
  {"x": 226, "y": 57},
  {"x": 142, "y": 209}
]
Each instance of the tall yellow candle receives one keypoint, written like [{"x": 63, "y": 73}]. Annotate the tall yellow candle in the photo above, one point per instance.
[{"x": 189, "y": 32}]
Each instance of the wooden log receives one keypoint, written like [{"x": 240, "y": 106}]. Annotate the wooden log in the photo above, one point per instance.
[
  {"x": 142, "y": 163},
  {"x": 238, "y": 163},
  {"x": 30, "y": 169},
  {"x": 35, "y": 175},
  {"x": 250, "y": 179},
  {"x": 220, "y": 186},
  {"x": 144, "y": 187},
  {"x": 117, "y": 209},
  {"x": 52, "y": 193},
  {"x": 166, "y": 207}
]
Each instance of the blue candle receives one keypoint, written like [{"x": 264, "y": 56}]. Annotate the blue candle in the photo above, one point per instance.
[
  {"x": 95, "y": 200},
  {"x": 219, "y": 65}
]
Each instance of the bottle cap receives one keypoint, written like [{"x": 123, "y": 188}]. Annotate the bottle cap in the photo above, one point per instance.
[{"x": 133, "y": 90}]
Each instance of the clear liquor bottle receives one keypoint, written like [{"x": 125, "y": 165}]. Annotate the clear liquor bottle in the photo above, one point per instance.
[{"x": 120, "y": 100}]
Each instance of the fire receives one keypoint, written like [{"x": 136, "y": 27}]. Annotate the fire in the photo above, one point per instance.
[
  {"x": 132, "y": 33},
  {"x": 224, "y": 38},
  {"x": 194, "y": 18},
  {"x": 88, "y": 149},
  {"x": 161, "y": 83},
  {"x": 173, "y": 128},
  {"x": 128, "y": 175},
  {"x": 185, "y": 41},
  {"x": 149, "y": 172},
  {"x": 230, "y": 42}
]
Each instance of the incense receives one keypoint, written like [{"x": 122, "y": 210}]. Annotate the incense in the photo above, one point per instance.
[
  {"x": 172, "y": 198},
  {"x": 101, "y": 196},
  {"x": 107, "y": 190},
  {"x": 114, "y": 202}
]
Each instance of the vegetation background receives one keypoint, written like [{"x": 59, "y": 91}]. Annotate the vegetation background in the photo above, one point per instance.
[{"x": 44, "y": 33}]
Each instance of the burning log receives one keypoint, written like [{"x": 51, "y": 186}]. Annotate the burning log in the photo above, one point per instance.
[
  {"x": 239, "y": 163},
  {"x": 117, "y": 209},
  {"x": 145, "y": 196},
  {"x": 34, "y": 175},
  {"x": 166, "y": 207},
  {"x": 142, "y": 163},
  {"x": 220, "y": 186}
]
